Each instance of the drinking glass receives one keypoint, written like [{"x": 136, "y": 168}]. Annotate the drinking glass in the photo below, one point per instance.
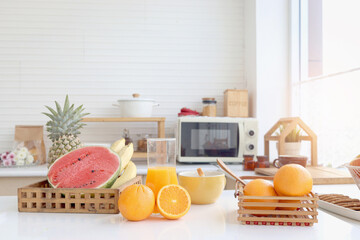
[{"x": 161, "y": 160}]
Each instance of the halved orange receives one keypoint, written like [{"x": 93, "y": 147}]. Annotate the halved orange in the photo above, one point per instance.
[{"x": 173, "y": 201}]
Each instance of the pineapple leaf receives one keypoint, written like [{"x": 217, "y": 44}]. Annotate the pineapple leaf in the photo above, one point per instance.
[
  {"x": 71, "y": 108},
  {"x": 50, "y": 124},
  {"x": 79, "y": 109},
  {"x": 66, "y": 104},
  {"x": 58, "y": 108},
  {"x": 65, "y": 122},
  {"x": 52, "y": 117},
  {"x": 52, "y": 110}
]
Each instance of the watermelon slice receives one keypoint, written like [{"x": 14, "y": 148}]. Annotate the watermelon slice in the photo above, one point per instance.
[{"x": 87, "y": 167}]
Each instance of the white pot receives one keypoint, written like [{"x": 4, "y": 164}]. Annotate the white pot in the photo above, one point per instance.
[
  {"x": 290, "y": 148},
  {"x": 136, "y": 106}
]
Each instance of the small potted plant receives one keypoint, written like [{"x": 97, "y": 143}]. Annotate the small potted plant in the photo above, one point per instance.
[{"x": 292, "y": 143}]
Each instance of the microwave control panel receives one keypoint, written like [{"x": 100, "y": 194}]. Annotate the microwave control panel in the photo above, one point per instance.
[{"x": 251, "y": 137}]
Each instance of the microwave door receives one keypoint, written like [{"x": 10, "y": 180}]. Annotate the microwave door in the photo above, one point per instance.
[
  {"x": 209, "y": 140},
  {"x": 241, "y": 145}
]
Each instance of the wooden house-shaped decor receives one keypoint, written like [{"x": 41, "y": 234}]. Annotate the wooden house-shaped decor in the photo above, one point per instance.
[{"x": 290, "y": 124}]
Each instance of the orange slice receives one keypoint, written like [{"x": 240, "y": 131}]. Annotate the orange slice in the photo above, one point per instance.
[{"x": 173, "y": 201}]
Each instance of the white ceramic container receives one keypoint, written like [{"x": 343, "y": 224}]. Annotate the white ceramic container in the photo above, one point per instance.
[
  {"x": 136, "y": 106},
  {"x": 290, "y": 148}
]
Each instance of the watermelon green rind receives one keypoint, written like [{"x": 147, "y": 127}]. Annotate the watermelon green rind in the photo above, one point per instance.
[
  {"x": 111, "y": 181},
  {"x": 106, "y": 184}
]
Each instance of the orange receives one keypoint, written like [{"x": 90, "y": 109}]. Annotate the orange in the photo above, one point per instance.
[
  {"x": 260, "y": 187},
  {"x": 173, "y": 201},
  {"x": 293, "y": 180},
  {"x": 355, "y": 162},
  {"x": 136, "y": 202}
]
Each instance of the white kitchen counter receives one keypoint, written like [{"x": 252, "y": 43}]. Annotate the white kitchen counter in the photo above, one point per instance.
[
  {"x": 33, "y": 171},
  {"x": 215, "y": 221},
  {"x": 41, "y": 170},
  {"x": 13, "y": 178}
]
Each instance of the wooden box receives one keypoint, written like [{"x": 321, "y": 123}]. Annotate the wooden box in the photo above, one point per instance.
[
  {"x": 305, "y": 213},
  {"x": 236, "y": 103},
  {"x": 40, "y": 197}
]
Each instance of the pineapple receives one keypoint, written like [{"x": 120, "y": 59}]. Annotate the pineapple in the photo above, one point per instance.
[{"x": 63, "y": 129}]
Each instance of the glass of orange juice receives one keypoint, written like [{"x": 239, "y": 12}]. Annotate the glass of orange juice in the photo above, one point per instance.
[{"x": 161, "y": 160}]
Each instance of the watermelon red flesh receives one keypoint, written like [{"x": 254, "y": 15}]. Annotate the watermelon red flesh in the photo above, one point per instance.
[{"x": 87, "y": 167}]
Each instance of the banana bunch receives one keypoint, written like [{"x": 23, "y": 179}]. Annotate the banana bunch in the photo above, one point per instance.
[{"x": 128, "y": 168}]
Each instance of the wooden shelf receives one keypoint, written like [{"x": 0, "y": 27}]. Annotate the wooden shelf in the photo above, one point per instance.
[
  {"x": 140, "y": 155},
  {"x": 289, "y": 125},
  {"x": 160, "y": 122},
  {"x": 147, "y": 119}
]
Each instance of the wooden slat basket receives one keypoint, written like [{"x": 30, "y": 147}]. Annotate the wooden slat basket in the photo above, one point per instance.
[
  {"x": 40, "y": 197},
  {"x": 304, "y": 215}
]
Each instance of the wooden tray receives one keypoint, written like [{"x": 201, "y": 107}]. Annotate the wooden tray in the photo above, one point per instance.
[
  {"x": 320, "y": 175},
  {"x": 305, "y": 215},
  {"x": 40, "y": 197}
]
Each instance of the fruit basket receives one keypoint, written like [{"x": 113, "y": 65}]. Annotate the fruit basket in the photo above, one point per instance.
[
  {"x": 355, "y": 173},
  {"x": 40, "y": 197},
  {"x": 304, "y": 213}
]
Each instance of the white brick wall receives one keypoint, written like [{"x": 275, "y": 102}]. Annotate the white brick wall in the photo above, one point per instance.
[{"x": 98, "y": 51}]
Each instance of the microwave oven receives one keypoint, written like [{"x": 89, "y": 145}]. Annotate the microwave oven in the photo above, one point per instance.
[{"x": 204, "y": 139}]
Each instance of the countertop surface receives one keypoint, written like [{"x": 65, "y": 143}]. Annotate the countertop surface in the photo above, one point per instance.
[
  {"x": 215, "y": 221},
  {"x": 41, "y": 170}
]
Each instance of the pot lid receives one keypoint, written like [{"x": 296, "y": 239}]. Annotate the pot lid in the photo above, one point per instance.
[{"x": 136, "y": 97}]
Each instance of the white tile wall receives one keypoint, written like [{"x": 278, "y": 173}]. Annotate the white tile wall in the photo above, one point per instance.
[{"x": 98, "y": 51}]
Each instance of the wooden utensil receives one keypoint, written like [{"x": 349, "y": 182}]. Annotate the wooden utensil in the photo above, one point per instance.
[
  {"x": 231, "y": 173},
  {"x": 200, "y": 172}
]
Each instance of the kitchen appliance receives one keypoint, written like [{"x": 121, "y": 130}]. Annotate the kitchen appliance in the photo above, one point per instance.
[{"x": 204, "y": 139}]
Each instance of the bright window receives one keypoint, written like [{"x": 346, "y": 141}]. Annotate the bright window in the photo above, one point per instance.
[{"x": 326, "y": 92}]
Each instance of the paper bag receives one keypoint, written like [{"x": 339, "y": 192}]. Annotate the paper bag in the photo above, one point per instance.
[{"x": 33, "y": 139}]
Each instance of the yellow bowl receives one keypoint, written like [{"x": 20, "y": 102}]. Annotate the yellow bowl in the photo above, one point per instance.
[{"x": 203, "y": 190}]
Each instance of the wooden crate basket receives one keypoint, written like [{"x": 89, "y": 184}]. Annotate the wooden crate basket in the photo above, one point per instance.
[
  {"x": 40, "y": 197},
  {"x": 305, "y": 214}
]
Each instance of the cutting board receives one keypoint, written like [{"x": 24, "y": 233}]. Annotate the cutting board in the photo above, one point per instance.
[{"x": 321, "y": 175}]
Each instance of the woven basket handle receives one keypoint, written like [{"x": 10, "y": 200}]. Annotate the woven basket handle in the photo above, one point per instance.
[{"x": 231, "y": 173}]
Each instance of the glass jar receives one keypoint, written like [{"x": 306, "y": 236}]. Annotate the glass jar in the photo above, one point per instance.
[
  {"x": 142, "y": 144},
  {"x": 209, "y": 107},
  {"x": 262, "y": 162},
  {"x": 126, "y": 136},
  {"x": 249, "y": 163}
]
